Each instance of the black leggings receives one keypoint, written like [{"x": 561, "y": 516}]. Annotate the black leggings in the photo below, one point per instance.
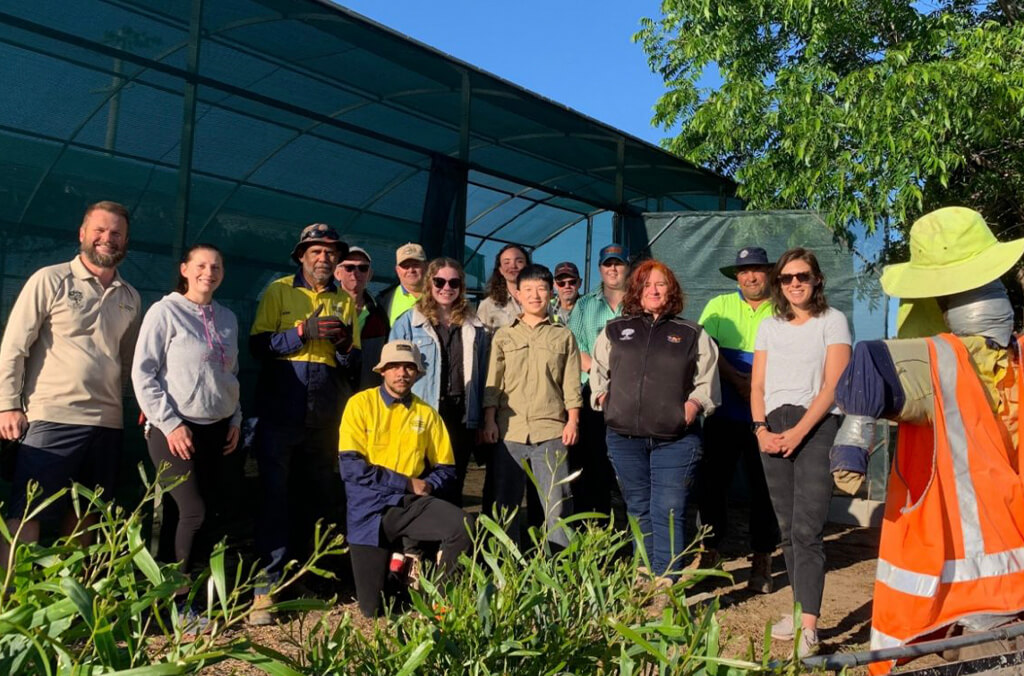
[{"x": 203, "y": 485}]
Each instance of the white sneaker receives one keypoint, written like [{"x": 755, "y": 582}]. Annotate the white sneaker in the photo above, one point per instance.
[
  {"x": 808, "y": 643},
  {"x": 783, "y": 629}
]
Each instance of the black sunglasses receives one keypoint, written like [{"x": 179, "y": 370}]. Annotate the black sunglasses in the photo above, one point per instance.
[
  {"x": 455, "y": 283},
  {"x": 802, "y": 277},
  {"x": 352, "y": 267},
  {"x": 566, "y": 282}
]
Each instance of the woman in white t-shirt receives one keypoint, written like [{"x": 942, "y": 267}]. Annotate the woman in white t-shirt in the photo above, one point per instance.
[{"x": 799, "y": 355}]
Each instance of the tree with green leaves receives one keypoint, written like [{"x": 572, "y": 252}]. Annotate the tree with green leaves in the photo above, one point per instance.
[{"x": 869, "y": 111}]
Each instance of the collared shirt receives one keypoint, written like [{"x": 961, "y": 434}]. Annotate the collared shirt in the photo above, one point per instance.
[
  {"x": 532, "y": 380},
  {"x": 559, "y": 314},
  {"x": 383, "y": 442},
  {"x": 401, "y": 300},
  {"x": 495, "y": 316},
  {"x": 733, "y": 324},
  {"x": 588, "y": 318},
  {"x": 68, "y": 346}
]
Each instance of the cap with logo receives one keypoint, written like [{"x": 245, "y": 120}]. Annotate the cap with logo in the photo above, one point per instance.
[
  {"x": 567, "y": 269},
  {"x": 613, "y": 251},
  {"x": 318, "y": 233},
  {"x": 748, "y": 256},
  {"x": 410, "y": 250},
  {"x": 400, "y": 352}
]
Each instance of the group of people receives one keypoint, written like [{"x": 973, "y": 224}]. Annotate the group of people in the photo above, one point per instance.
[{"x": 392, "y": 396}]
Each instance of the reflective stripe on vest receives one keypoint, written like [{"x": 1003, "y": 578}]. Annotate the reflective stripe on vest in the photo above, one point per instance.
[{"x": 947, "y": 515}]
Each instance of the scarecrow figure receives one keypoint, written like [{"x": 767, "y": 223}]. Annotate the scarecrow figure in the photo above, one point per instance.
[{"x": 952, "y": 546}]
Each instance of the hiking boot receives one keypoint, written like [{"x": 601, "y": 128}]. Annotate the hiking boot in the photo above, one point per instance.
[
  {"x": 783, "y": 629},
  {"x": 808, "y": 643},
  {"x": 413, "y": 571},
  {"x": 260, "y": 615},
  {"x": 760, "y": 581},
  {"x": 709, "y": 558}
]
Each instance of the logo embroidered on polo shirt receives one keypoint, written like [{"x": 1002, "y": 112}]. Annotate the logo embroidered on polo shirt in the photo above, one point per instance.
[
  {"x": 75, "y": 298},
  {"x": 673, "y": 338},
  {"x": 418, "y": 425},
  {"x": 627, "y": 334}
]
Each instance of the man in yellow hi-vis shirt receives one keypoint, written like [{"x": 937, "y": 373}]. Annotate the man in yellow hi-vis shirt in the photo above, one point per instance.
[
  {"x": 394, "y": 455},
  {"x": 303, "y": 337}
]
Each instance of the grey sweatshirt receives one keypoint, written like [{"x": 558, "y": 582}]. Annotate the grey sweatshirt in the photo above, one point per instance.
[{"x": 186, "y": 364}]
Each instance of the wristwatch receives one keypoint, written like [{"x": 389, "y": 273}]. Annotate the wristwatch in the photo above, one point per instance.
[{"x": 754, "y": 426}]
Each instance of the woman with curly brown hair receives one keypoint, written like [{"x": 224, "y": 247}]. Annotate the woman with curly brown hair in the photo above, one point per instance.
[
  {"x": 654, "y": 374},
  {"x": 799, "y": 355},
  {"x": 453, "y": 344},
  {"x": 500, "y": 307}
]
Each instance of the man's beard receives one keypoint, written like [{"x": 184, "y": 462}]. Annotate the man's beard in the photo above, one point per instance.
[
  {"x": 319, "y": 276},
  {"x": 102, "y": 260}
]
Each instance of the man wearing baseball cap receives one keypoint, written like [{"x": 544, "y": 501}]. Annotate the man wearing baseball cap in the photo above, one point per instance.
[
  {"x": 410, "y": 265},
  {"x": 394, "y": 455},
  {"x": 732, "y": 320},
  {"x": 353, "y": 273},
  {"x": 304, "y": 339},
  {"x": 596, "y": 486},
  {"x": 567, "y": 291}
]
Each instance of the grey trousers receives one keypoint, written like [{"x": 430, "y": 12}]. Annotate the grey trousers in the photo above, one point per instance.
[
  {"x": 800, "y": 487},
  {"x": 548, "y": 460}
]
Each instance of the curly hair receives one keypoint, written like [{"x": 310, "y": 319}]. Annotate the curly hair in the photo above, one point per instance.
[
  {"x": 818, "y": 303},
  {"x": 496, "y": 287},
  {"x": 631, "y": 303},
  {"x": 426, "y": 303}
]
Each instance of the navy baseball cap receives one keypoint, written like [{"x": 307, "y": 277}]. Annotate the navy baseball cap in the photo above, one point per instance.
[{"x": 614, "y": 251}]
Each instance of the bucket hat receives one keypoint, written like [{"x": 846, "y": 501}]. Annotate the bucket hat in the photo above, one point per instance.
[
  {"x": 746, "y": 257},
  {"x": 400, "y": 352},
  {"x": 951, "y": 250},
  {"x": 318, "y": 233}
]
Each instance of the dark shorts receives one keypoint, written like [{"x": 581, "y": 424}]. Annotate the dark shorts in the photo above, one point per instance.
[{"x": 56, "y": 454}]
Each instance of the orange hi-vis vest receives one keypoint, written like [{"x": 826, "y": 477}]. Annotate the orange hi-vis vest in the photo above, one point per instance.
[{"x": 953, "y": 536}]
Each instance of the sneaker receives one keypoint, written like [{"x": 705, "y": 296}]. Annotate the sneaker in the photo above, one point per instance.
[
  {"x": 191, "y": 623},
  {"x": 783, "y": 629},
  {"x": 808, "y": 643},
  {"x": 760, "y": 581},
  {"x": 260, "y": 615}
]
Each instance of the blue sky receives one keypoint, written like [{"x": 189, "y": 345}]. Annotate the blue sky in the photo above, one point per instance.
[{"x": 575, "y": 52}]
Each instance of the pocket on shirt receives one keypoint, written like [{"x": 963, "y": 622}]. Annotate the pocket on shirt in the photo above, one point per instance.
[{"x": 553, "y": 357}]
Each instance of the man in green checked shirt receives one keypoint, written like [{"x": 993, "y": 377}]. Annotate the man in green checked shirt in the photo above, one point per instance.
[{"x": 596, "y": 484}]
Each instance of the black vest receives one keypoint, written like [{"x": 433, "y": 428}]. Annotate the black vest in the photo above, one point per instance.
[{"x": 652, "y": 366}]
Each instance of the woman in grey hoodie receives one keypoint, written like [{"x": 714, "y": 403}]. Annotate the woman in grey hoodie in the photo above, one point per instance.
[{"x": 185, "y": 377}]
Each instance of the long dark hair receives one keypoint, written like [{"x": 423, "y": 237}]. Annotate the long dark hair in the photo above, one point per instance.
[
  {"x": 182, "y": 285},
  {"x": 818, "y": 303},
  {"x": 496, "y": 287}
]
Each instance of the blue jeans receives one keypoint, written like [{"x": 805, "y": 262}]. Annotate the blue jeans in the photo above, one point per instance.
[{"x": 656, "y": 477}]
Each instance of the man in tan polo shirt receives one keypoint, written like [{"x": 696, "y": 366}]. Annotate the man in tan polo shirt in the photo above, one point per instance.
[
  {"x": 65, "y": 354},
  {"x": 532, "y": 403}
]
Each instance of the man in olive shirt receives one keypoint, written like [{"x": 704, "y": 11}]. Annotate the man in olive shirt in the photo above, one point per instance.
[
  {"x": 64, "y": 358},
  {"x": 532, "y": 402}
]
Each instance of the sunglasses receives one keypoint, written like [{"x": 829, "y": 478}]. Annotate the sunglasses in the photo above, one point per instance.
[
  {"x": 455, "y": 284},
  {"x": 562, "y": 283},
  {"x": 352, "y": 267},
  {"x": 802, "y": 277}
]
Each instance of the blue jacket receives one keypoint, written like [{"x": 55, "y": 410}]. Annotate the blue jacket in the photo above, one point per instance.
[{"x": 475, "y": 345}]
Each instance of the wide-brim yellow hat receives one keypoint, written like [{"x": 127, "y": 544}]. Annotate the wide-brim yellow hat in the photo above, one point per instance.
[{"x": 952, "y": 250}]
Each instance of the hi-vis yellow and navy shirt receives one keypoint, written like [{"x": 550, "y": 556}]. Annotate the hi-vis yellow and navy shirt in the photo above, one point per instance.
[
  {"x": 383, "y": 442},
  {"x": 301, "y": 382}
]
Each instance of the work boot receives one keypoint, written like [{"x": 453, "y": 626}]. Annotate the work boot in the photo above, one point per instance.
[
  {"x": 661, "y": 599},
  {"x": 709, "y": 559},
  {"x": 260, "y": 615},
  {"x": 760, "y": 581}
]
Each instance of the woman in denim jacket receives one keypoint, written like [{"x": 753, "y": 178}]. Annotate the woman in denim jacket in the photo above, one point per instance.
[{"x": 454, "y": 345}]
